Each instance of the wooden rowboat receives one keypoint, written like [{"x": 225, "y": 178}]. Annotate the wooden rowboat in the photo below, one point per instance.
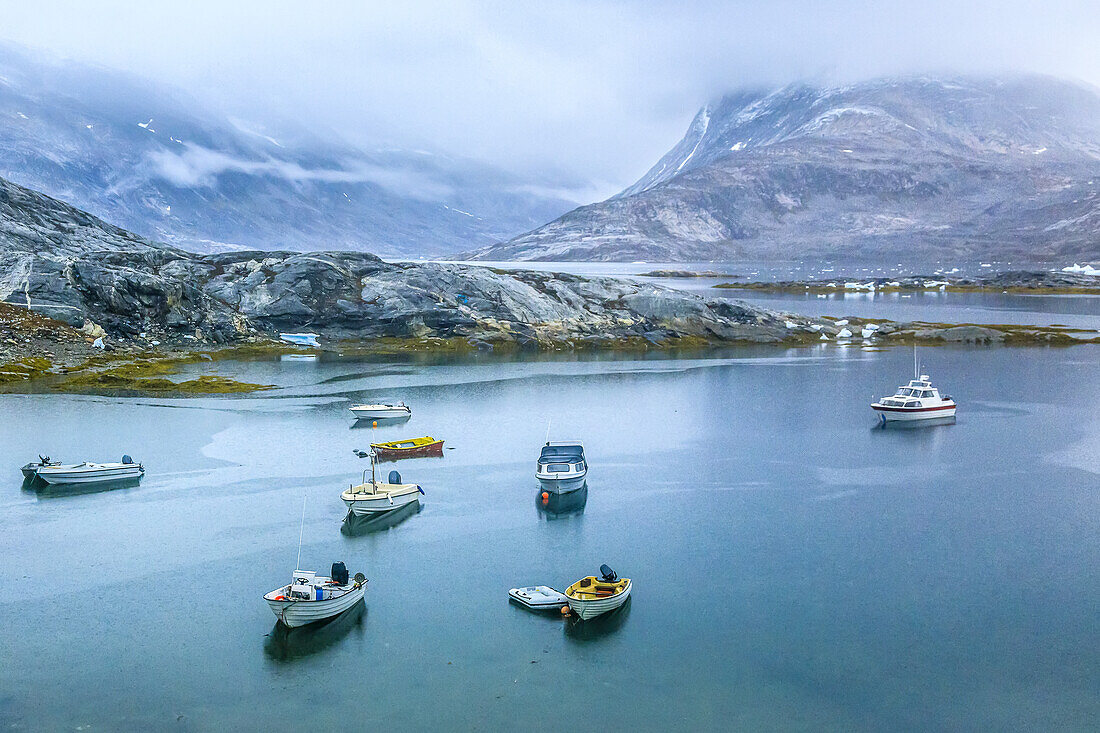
[
  {"x": 410, "y": 448},
  {"x": 590, "y": 597}
]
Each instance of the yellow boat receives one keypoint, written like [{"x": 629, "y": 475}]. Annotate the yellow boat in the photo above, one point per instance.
[
  {"x": 410, "y": 448},
  {"x": 589, "y": 597}
]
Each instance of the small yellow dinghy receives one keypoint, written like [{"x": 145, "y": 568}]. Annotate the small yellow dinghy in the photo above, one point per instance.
[
  {"x": 411, "y": 448},
  {"x": 590, "y": 597}
]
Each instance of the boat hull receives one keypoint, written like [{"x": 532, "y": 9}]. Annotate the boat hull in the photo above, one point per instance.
[
  {"x": 383, "y": 453},
  {"x": 586, "y": 609},
  {"x": 908, "y": 414},
  {"x": 381, "y": 504},
  {"x": 380, "y": 413},
  {"x": 293, "y": 614},
  {"x": 89, "y": 476},
  {"x": 563, "y": 485}
]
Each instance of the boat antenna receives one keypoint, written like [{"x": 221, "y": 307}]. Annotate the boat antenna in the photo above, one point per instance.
[
  {"x": 373, "y": 455},
  {"x": 916, "y": 369},
  {"x": 301, "y": 532},
  {"x": 548, "y": 421}
]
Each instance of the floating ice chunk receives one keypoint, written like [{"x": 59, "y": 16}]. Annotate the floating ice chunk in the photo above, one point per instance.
[
  {"x": 867, "y": 332},
  {"x": 300, "y": 339},
  {"x": 738, "y": 146},
  {"x": 815, "y": 327},
  {"x": 935, "y": 283},
  {"x": 842, "y": 322},
  {"x": 145, "y": 125},
  {"x": 23, "y": 115},
  {"x": 985, "y": 264},
  {"x": 87, "y": 127},
  {"x": 824, "y": 337},
  {"x": 822, "y": 295},
  {"x": 844, "y": 334},
  {"x": 871, "y": 327},
  {"x": 790, "y": 324},
  {"x": 894, "y": 283},
  {"x": 1082, "y": 269}
]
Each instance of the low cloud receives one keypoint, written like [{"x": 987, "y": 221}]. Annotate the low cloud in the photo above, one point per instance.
[{"x": 200, "y": 167}]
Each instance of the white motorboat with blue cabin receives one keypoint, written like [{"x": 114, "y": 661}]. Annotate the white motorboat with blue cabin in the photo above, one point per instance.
[
  {"x": 561, "y": 467},
  {"x": 90, "y": 473}
]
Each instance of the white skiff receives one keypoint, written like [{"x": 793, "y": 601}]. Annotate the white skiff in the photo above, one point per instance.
[
  {"x": 89, "y": 473},
  {"x": 380, "y": 411},
  {"x": 310, "y": 598}
]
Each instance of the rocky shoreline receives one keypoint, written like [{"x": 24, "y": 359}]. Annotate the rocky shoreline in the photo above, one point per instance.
[{"x": 87, "y": 306}]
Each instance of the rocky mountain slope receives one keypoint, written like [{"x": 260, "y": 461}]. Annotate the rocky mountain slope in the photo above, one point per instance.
[
  {"x": 63, "y": 263},
  {"x": 889, "y": 170},
  {"x": 156, "y": 162}
]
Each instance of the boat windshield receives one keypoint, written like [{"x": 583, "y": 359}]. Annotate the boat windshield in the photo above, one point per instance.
[
  {"x": 558, "y": 468},
  {"x": 561, "y": 452}
]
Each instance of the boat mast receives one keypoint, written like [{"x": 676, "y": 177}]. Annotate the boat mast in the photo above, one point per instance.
[
  {"x": 548, "y": 430},
  {"x": 301, "y": 532}
]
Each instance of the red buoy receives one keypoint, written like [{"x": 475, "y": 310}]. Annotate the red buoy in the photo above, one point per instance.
[{"x": 545, "y": 497}]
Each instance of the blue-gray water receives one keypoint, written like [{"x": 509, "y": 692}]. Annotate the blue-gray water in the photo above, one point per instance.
[{"x": 794, "y": 567}]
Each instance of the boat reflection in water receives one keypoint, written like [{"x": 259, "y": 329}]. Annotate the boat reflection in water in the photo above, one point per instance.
[
  {"x": 596, "y": 628},
  {"x": 379, "y": 422},
  {"x": 356, "y": 526},
  {"x": 57, "y": 491},
  {"x": 914, "y": 424},
  {"x": 557, "y": 506},
  {"x": 285, "y": 645}
]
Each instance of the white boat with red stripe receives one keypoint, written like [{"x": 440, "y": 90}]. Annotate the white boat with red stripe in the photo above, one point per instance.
[{"x": 918, "y": 400}]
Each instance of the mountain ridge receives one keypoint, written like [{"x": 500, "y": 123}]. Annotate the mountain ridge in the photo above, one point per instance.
[{"x": 916, "y": 167}]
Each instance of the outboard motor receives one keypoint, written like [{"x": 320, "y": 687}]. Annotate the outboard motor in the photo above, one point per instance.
[
  {"x": 339, "y": 573},
  {"x": 608, "y": 574},
  {"x": 127, "y": 460},
  {"x": 395, "y": 477}
]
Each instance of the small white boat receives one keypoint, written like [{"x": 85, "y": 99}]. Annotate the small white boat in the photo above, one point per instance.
[
  {"x": 539, "y": 597},
  {"x": 561, "y": 467},
  {"x": 590, "y": 597},
  {"x": 380, "y": 411},
  {"x": 90, "y": 473},
  {"x": 918, "y": 400},
  {"x": 309, "y": 598},
  {"x": 375, "y": 497}
]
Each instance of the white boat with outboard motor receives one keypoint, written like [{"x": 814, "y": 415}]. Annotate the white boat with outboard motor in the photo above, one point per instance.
[
  {"x": 539, "y": 597},
  {"x": 561, "y": 467},
  {"x": 375, "y": 497},
  {"x": 90, "y": 473},
  {"x": 310, "y": 597},
  {"x": 590, "y": 597},
  {"x": 381, "y": 411}
]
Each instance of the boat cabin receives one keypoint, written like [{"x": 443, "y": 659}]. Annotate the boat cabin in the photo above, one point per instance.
[
  {"x": 562, "y": 458},
  {"x": 914, "y": 394}
]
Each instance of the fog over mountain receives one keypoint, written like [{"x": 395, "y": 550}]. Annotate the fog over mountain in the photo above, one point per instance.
[
  {"x": 894, "y": 169},
  {"x": 154, "y": 160},
  {"x": 424, "y": 128}
]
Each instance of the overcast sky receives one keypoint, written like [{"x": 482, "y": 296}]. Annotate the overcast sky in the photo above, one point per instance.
[{"x": 592, "y": 91}]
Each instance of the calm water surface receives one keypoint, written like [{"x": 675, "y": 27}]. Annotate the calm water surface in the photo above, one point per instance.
[{"x": 794, "y": 566}]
